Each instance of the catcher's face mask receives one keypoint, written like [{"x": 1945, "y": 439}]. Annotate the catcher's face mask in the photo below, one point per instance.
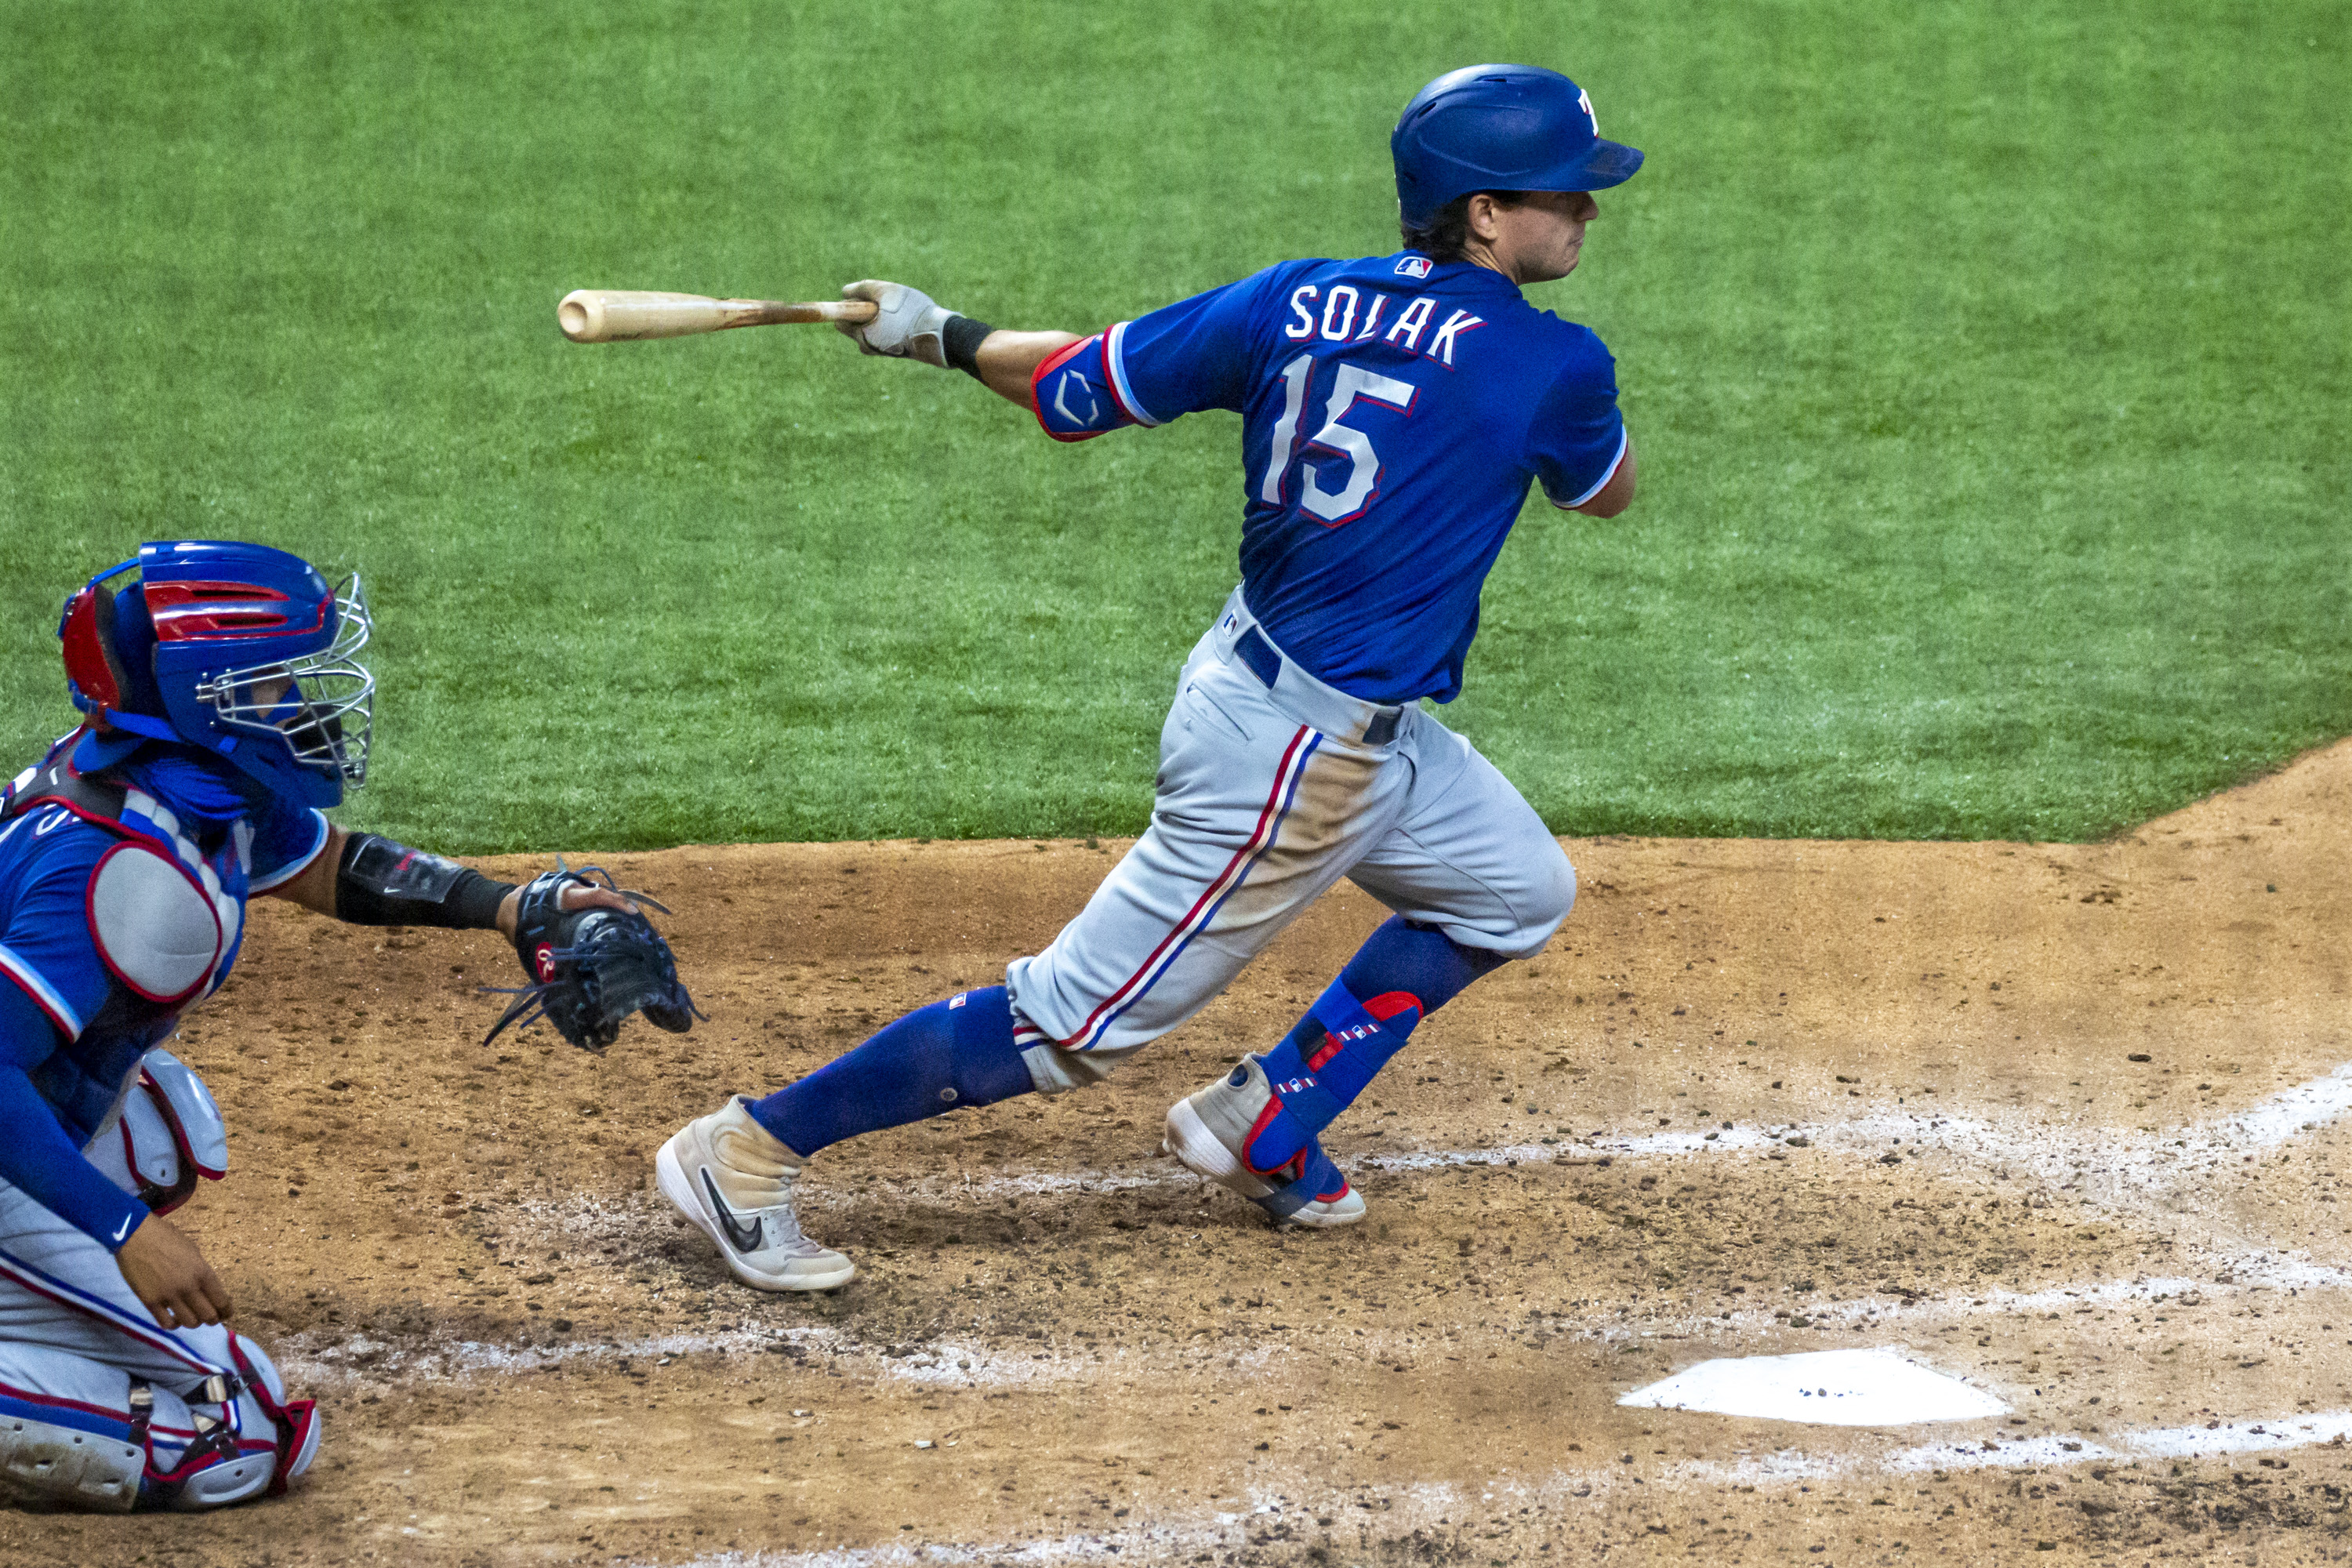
[{"x": 320, "y": 706}]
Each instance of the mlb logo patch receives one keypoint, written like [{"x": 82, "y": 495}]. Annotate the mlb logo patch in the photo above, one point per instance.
[{"x": 1413, "y": 266}]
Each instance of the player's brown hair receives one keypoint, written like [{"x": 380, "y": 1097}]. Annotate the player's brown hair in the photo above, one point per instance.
[{"x": 1443, "y": 237}]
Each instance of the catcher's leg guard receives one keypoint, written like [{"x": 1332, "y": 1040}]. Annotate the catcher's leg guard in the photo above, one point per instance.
[
  {"x": 77, "y": 1433},
  {"x": 1404, "y": 973},
  {"x": 295, "y": 1422},
  {"x": 48, "y": 1463},
  {"x": 204, "y": 1408},
  {"x": 68, "y": 1436},
  {"x": 936, "y": 1060},
  {"x": 230, "y": 1439}
]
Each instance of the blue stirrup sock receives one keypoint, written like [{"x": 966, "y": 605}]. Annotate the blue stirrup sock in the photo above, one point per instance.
[
  {"x": 936, "y": 1060},
  {"x": 1404, "y": 972}
]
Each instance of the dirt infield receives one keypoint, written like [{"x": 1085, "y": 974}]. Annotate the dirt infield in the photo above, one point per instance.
[{"x": 2060, "y": 1121}]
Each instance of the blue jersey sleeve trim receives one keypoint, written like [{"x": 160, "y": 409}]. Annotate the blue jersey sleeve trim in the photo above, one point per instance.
[
  {"x": 1115, "y": 359},
  {"x": 45, "y": 996},
  {"x": 293, "y": 869},
  {"x": 1602, "y": 482}
]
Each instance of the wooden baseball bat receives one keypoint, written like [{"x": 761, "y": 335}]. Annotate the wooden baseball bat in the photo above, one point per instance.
[{"x": 618, "y": 315}]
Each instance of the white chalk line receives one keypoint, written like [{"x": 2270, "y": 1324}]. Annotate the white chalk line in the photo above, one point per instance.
[
  {"x": 2040, "y": 1148},
  {"x": 2043, "y": 1146},
  {"x": 943, "y": 1361},
  {"x": 362, "y": 1357},
  {"x": 2212, "y": 1440},
  {"x": 2046, "y": 1146},
  {"x": 949, "y": 1361},
  {"x": 2246, "y": 1279},
  {"x": 1427, "y": 1506},
  {"x": 2037, "y": 1144}
]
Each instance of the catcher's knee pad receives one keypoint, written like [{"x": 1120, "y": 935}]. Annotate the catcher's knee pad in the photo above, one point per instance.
[
  {"x": 167, "y": 1135},
  {"x": 1313, "y": 1082},
  {"x": 294, "y": 1423}
]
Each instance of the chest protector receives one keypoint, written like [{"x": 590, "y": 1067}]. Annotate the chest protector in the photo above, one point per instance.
[{"x": 167, "y": 918}]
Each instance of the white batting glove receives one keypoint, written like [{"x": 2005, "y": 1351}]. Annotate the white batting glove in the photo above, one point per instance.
[{"x": 907, "y": 324}]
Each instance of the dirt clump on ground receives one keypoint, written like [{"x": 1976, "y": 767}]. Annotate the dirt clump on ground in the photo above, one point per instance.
[{"x": 2055, "y": 1119}]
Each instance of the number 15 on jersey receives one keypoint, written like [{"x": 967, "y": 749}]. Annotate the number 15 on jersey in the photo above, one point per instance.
[{"x": 1347, "y": 502}]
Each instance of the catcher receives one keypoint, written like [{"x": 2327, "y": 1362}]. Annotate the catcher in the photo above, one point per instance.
[{"x": 224, "y": 709}]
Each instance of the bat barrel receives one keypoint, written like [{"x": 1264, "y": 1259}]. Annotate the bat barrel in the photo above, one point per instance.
[{"x": 619, "y": 315}]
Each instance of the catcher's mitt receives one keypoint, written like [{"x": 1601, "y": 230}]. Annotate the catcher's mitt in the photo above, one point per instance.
[{"x": 590, "y": 968}]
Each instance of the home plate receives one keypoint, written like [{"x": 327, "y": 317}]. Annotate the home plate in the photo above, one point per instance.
[{"x": 1835, "y": 1388}]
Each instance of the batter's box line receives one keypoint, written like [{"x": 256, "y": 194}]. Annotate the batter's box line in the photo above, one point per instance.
[
  {"x": 2051, "y": 1151},
  {"x": 1433, "y": 1507},
  {"x": 2038, "y": 1148},
  {"x": 1895, "y": 1314},
  {"x": 955, "y": 1360}
]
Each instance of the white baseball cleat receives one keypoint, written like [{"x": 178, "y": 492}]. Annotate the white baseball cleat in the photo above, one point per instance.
[
  {"x": 1208, "y": 1130},
  {"x": 734, "y": 1180}
]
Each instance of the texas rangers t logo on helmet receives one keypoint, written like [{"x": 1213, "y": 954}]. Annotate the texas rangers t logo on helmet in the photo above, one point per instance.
[{"x": 1584, "y": 102}]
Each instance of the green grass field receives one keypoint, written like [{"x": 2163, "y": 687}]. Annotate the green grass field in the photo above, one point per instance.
[{"x": 1987, "y": 363}]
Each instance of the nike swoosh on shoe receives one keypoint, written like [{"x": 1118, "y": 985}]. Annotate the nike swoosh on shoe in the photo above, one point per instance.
[{"x": 746, "y": 1237}]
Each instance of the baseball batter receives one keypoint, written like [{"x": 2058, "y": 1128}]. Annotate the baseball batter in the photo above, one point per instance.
[
  {"x": 1395, "y": 410},
  {"x": 224, "y": 709}
]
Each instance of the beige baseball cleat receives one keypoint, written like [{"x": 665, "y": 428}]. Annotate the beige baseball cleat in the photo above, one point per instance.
[
  {"x": 734, "y": 1180},
  {"x": 1209, "y": 1129}
]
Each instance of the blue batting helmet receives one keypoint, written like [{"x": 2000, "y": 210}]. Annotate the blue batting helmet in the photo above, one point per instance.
[
  {"x": 1500, "y": 128},
  {"x": 239, "y": 648}
]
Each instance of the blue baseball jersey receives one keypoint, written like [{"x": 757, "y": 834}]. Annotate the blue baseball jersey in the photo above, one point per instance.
[
  {"x": 1395, "y": 411},
  {"x": 73, "y": 1025}
]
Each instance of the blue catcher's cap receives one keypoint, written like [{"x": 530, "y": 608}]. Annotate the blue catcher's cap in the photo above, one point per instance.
[{"x": 1500, "y": 128}]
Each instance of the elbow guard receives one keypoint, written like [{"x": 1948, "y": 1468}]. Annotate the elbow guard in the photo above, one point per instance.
[
  {"x": 381, "y": 883},
  {"x": 1076, "y": 399}
]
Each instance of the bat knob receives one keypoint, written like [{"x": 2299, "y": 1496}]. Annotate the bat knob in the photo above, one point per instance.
[{"x": 581, "y": 314}]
